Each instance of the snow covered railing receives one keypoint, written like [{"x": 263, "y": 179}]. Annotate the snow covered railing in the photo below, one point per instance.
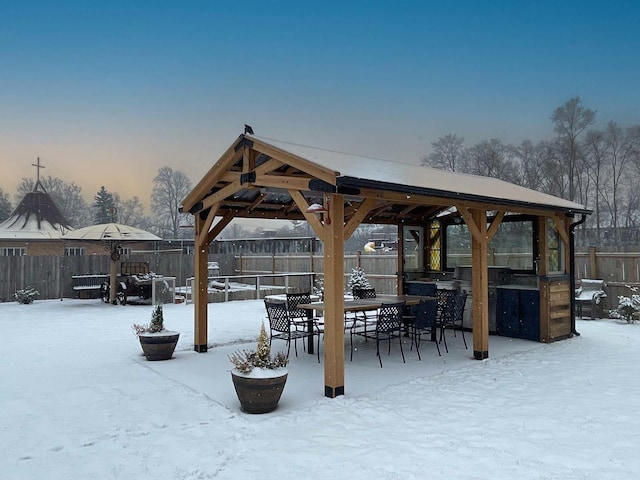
[{"x": 227, "y": 283}]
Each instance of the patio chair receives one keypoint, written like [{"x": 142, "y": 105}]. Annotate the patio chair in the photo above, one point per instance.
[
  {"x": 451, "y": 317},
  {"x": 361, "y": 319},
  {"x": 300, "y": 317},
  {"x": 362, "y": 293},
  {"x": 388, "y": 327},
  {"x": 423, "y": 321},
  {"x": 282, "y": 327}
]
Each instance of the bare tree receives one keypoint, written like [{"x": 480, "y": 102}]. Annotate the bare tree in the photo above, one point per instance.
[
  {"x": 622, "y": 147},
  {"x": 169, "y": 189},
  {"x": 447, "y": 153},
  {"x": 131, "y": 212},
  {"x": 570, "y": 120},
  {"x": 492, "y": 158}
]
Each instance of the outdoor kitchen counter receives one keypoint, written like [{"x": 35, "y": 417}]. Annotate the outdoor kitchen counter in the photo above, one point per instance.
[{"x": 518, "y": 311}]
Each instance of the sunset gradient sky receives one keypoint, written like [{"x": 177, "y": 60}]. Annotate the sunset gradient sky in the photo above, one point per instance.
[{"x": 108, "y": 92}]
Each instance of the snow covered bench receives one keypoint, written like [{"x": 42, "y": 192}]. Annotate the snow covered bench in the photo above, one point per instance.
[
  {"x": 590, "y": 294},
  {"x": 88, "y": 286}
]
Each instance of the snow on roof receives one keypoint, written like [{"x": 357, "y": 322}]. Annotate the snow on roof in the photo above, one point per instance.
[
  {"x": 359, "y": 170},
  {"x": 36, "y": 217}
]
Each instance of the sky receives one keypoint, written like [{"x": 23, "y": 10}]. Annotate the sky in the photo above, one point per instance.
[
  {"x": 78, "y": 400},
  {"x": 107, "y": 93}
]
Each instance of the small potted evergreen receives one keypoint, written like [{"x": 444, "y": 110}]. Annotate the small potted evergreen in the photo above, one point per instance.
[
  {"x": 156, "y": 341},
  {"x": 258, "y": 377}
]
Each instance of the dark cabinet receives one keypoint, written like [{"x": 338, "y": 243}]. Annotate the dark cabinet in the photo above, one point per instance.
[
  {"x": 518, "y": 312},
  {"x": 425, "y": 289}
]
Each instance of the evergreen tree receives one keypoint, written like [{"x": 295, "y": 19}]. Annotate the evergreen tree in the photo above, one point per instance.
[
  {"x": 5, "y": 205},
  {"x": 358, "y": 279},
  {"x": 104, "y": 207}
]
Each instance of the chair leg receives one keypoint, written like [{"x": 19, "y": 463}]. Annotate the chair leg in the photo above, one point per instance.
[
  {"x": 464, "y": 339},
  {"x": 351, "y": 341},
  {"x": 401, "y": 350},
  {"x": 443, "y": 336},
  {"x": 416, "y": 337},
  {"x": 438, "y": 347},
  {"x": 378, "y": 350}
]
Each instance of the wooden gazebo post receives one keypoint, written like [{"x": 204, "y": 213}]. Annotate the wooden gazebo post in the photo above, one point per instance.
[{"x": 334, "y": 297}]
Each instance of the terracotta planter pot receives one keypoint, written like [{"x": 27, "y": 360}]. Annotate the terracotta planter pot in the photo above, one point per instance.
[
  {"x": 158, "y": 346},
  {"x": 259, "y": 394}
]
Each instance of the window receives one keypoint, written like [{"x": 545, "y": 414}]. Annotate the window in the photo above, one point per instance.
[
  {"x": 512, "y": 246},
  {"x": 555, "y": 247},
  {"x": 13, "y": 251},
  {"x": 413, "y": 248},
  {"x": 76, "y": 251}
]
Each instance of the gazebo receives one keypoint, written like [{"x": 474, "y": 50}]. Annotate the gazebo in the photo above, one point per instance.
[{"x": 270, "y": 179}]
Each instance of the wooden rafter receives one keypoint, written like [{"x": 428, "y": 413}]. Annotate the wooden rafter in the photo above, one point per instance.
[
  {"x": 399, "y": 198},
  {"x": 561, "y": 225},
  {"x": 212, "y": 177},
  {"x": 268, "y": 166},
  {"x": 306, "y": 166},
  {"x": 495, "y": 223},
  {"x": 221, "y": 194},
  {"x": 203, "y": 235},
  {"x": 283, "y": 181},
  {"x": 471, "y": 224},
  {"x": 303, "y": 206},
  {"x": 217, "y": 228},
  {"x": 357, "y": 218}
]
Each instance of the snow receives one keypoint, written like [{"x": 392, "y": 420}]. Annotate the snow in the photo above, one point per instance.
[{"x": 78, "y": 400}]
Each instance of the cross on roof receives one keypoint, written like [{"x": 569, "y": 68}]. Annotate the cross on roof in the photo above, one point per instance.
[{"x": 38, "y": 167}]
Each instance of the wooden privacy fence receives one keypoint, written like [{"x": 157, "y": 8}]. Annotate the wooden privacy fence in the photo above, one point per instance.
[{"x": 51, "y": 276}]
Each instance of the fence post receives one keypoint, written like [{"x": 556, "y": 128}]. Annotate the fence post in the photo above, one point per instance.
[
  {"x": 257, "y": 287},
  {"x": 593, "y": 263},
  {"x": 226, "y": 288}
]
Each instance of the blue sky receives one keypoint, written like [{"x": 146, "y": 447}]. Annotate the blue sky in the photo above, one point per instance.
[{"x": 107, "y": 92}]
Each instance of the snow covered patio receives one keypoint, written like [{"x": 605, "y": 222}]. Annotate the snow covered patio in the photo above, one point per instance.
[{"x": 78, "y": 400}]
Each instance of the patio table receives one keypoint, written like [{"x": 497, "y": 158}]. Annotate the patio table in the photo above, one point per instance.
[{"x": 362, "y": 305}]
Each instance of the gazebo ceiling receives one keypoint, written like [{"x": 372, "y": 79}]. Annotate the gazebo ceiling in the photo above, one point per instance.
[{"x": 258, "y": 178}]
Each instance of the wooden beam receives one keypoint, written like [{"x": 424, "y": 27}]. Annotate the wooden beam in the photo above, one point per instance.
[
  {"x": 407, "y": 199},
  {"x": 495, "y": 223},
  {"x": 282, "y": 181},
  {"x": 363, "y": 210},
  {"x": 480, "y": 286},
  {"x": 561, "y": 225},
  {"x": 248, "y": 159},
  {"x": 212, "y": 177},
  {"x": 218, "y": 227},
  {"x": 221, "y": 194},
  {"x": 543, "y": 248},
  {"x": 313, "y": 220},
  {"x": 334, "y": 298},
  {"x": 476, "y": 230},
  {"x": 312, "y": 169},
  {"x": 268, "y": 166},
  {"x": 204, "y": 231}
]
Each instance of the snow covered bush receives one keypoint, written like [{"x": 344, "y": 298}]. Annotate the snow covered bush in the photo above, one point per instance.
[
  {"x": 358, "y": 279},
  {"x": 246, "y": 360},
  {"x": 627, "y": 306},
  {"x": 26, "y": 295}
]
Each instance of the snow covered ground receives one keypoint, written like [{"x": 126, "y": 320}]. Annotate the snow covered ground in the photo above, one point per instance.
[{"x": 78, "y": 400}]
